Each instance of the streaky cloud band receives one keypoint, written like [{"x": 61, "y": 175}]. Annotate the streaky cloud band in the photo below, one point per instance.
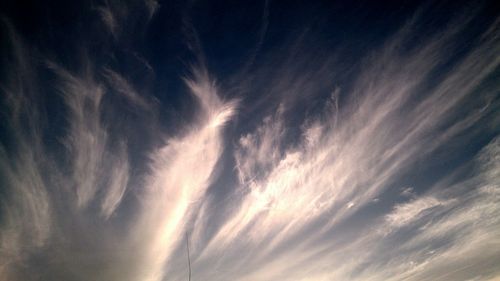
[{"x": 393, "y": 176}]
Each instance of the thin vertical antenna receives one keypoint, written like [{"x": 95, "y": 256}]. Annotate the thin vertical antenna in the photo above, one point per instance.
[{"x": 189, "y": 259}]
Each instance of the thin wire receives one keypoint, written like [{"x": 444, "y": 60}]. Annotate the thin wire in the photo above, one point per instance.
[{"x": 189, "y": 259}]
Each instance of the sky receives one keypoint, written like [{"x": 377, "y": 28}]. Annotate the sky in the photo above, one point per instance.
[{"x": 258, "y": 140}]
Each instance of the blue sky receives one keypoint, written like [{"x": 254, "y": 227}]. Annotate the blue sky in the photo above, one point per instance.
[{"x": 277, "y": 140}]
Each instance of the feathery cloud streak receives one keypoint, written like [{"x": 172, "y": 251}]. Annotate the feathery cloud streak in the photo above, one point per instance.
[{"x": 324, "y": 199}]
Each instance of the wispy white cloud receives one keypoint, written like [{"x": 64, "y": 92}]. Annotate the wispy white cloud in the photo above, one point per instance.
[
  {"x": 295, "y": 192},
  {"x": 406, "y": 213},
  {"x": 117, "y": 17},
  {"x": 325, "y": 199},
  {"x": 180, "y": 175}
]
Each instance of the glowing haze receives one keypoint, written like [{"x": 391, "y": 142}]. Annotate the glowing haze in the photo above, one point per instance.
[{"x": 292, "y": 158}]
